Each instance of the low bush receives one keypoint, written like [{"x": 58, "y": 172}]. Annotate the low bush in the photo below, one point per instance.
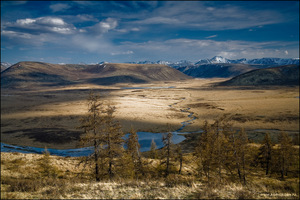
[
  {"x": 21, "y": 184},
  {"x": 174, "y": 179}
]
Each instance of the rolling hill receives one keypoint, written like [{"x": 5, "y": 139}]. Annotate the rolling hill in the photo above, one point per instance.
[
  {"x": 29, "y": 74},
  {"x": 282, "y": 75}
]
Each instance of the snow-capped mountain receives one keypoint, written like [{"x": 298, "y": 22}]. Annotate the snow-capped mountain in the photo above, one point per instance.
[
  {"x": 103, "y": 62},
  {"x": 5, "y": 65},
  {"x": 162, "y": 62},
  {"x": 273, "y": 61},
  {"x": 259, "y": 61},
  {"x": 220, "y": 59},
  {"x": 214, "y": 60}
]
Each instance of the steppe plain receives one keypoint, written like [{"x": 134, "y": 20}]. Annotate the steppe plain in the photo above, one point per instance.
[{"x": 48, "y": 116}]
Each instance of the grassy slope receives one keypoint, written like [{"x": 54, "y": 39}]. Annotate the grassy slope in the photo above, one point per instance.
[
  {"x": 282, "y": 75},
  {"x": 21, "y": 177}
]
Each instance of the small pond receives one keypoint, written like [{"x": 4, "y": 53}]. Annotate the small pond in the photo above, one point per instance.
[{"x": 145, "y": 139}]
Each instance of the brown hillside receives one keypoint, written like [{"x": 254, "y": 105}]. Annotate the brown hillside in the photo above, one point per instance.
[
  {"x": 146, "y": 72},
  {"x": 282, "y": 75},
  {"x": 29, "y": 74}
]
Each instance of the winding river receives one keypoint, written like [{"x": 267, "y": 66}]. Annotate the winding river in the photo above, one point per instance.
[{"x": 145, "y": 139}]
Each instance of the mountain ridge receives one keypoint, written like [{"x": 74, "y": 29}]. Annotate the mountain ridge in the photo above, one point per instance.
[
  {"x": 29, "y": 74},
  {"x": 220, "y": 59},
  {"x": 281, "y": 75}
]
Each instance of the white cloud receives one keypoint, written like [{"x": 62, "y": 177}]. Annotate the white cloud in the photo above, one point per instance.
[
  {"x": 212, "y": 36},
  {"x": 14, "y": 34},
  {"x": 189, "y": 49},
  {"x": 286, "y": 52},
  {"x": 51, "y": 21},
  {"x": 105, "y": 25},
  {"x": 159, "y": 20},
  {"x": 36, "y": 26},
  {"x": 25, "y": 21},
  {"x": 85, "y": 18},
  {"x": 206, "y": 17},
  {"x": 122, "y": 53},
  {"x": 59, "y": 7}
]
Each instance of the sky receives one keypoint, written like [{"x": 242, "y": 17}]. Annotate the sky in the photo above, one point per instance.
[{"x": 128, "y": 31}]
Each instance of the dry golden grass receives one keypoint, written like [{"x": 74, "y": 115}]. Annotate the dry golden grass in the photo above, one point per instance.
[
  {"x": 146, "y": 109},
  {"x": 21, "y": 179}
]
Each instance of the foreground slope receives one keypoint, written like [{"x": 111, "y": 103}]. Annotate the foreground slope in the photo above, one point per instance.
[
  {"x": 23, "y": 177},
  {"x": 282, "y": 75},
  {"x": 30, "y": 74}
]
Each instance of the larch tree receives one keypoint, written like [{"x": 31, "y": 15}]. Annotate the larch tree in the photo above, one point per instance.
[
  {"x": 265, "y": 153},
  {"x": 92, "y": 124},
  {"x": 220, "y": 146},
  {"x": 237, "y": 148},
  {"x": 133, "y": 149},
  {"x": 113, "y": 139},
  {"x": 103, "y": 133},
  {"x": 167, "y": 151},
  {"x": 47, "y": 170},
  {"x": 153, "y": 151},
  {"x": 241, "y": 148},
  {"x": 205, "y": 150},
  {"x": 285, "y": 153},
  {"x": 179, "y": 157}
]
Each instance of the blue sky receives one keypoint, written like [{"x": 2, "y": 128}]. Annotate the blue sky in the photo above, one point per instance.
[{"x": 123, "y": 31}]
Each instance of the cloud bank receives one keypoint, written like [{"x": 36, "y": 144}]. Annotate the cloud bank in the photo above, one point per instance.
[{"x": 154, "y": 30}]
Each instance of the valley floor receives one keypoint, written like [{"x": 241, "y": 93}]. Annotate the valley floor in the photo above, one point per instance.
[{"x": 48, "y": 116}]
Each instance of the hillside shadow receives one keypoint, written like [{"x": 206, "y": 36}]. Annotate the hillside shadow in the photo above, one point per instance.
[{"x": 111, "y": 80}]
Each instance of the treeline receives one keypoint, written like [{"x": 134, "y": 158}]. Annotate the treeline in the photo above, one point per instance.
[{"x": 221, "y": 151}]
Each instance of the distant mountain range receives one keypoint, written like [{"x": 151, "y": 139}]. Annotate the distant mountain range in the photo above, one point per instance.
[
  {"x": 220, "y": 59},
  {"x": 222, "y": 70},
  {"x": 219, "y": 67},
  {"x": 216, "y": 67},
  {"x": 260, "y": 62}
]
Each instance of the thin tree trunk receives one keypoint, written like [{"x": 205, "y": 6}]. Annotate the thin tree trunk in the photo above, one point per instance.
[
  {"x": 267, "y": 167},
  {"x": 96, "y": 150},
  {"x": 244, "y": 165},
  {"x": 168, "y": 160},
  {"x": 110, "y": 157},
  {"x": 96, "y": 162},
  {"x": 180, "y": 166}
]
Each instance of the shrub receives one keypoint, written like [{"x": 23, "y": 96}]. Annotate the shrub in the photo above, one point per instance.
[
  {"x": 243, "y": 194},
  {"x": 21, "y": 184},
  {"x": 174, "y": 180}
]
